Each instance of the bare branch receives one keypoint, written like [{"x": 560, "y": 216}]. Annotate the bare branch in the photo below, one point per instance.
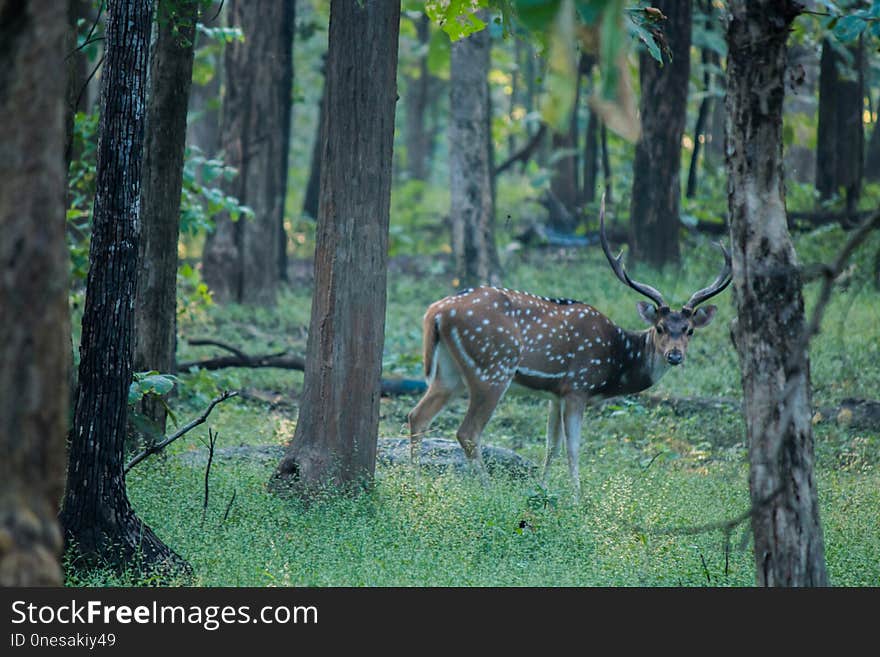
[{"x": 158, "y": 447}]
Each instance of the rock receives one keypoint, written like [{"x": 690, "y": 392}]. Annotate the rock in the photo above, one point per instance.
[
  {"x": 441, "y": 454},
  {"x": 438, "y": 454}
]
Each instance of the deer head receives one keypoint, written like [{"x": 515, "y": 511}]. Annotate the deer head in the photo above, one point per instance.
[{"x": 670, "y": 329}]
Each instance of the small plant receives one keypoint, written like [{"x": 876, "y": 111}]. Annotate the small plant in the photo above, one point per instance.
[{"x": 540, "y": 498}]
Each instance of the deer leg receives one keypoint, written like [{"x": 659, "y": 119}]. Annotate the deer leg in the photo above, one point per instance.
[
  {"x": 573, "y": 415},
  {"x": 554, "y": 435},
  {"x": 446, "y": 382},
  {"x": 481, "y": 405}
]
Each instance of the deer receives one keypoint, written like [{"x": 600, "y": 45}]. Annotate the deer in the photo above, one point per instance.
[{"x": 486, "y": 339}]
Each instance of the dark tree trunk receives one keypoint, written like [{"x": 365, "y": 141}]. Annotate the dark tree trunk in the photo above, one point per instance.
[
  {"x": 564, "y": 181},
  {"x": 203, "y": 129},
  {"x": 591, "y": 159},
  {"x": 656, "y": 190},
  {"x": 607, "y": 178},
  {"x": 473, "y": 232},
  {"x": 770, "y": 309},
  {"x": 591, "y": 142},
  {"x": 872, "y": 156},
  {"x": 77, "y": 71},
  {"x": 155, "y": 326},
  {"x": 241, "y": 259},
  {"x": 97, "y": 516},
  {"x": 337, "y": 429},
  {"x": 840, "y": 135},
  {"x": 416, "y": 103},
  {"x": 313, "y": 186},
  {"x": 34, "y": 273},
  {"x": 703, "y": 114}
]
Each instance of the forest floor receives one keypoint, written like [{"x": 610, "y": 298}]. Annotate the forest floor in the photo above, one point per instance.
[{"x": 649, "y": 471}]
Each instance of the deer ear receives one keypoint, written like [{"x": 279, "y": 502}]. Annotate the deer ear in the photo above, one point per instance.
[
  {"x": 702, "y": 316},
  {"x": 647, "y": 311}
]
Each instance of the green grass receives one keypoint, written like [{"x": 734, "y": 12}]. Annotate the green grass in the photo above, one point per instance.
[{"x": 645, "y": 469}]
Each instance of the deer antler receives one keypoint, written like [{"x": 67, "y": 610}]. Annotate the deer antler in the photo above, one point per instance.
[
  {"x": 617, "y": 265},
  {"x": 717, "y": 286}
]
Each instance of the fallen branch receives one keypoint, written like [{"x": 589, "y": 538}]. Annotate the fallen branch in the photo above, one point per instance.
[
  {"x": 280, "y": 360},
  {"x": 158, "y": 447},
  {"x": 822, "y": 217}
]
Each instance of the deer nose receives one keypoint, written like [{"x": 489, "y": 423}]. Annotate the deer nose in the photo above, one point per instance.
[{"x": 674, "y": 357}]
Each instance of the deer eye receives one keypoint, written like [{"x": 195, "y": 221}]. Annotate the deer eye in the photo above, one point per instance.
[
  {"x": 690, "y": 331},
  {"x": 660, "y": 329}
]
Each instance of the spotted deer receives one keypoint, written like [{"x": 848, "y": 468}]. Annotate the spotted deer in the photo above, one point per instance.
[{"x": 488, "y": 338}]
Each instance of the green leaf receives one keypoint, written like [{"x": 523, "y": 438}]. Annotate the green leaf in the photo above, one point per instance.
[
  {"x": 850, "y": 27},
  {"x": 648, "y": 39},
  {"x": 456, "y": 17}
]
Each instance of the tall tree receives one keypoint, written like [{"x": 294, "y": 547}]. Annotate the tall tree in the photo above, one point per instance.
[
  {"x": 590, "y": 159},
  {"x": 416, "y": 105},
  {"x": 564, "y": 180},
  {"x": 708, "y": 57},
  {"x": 473, "y": 229},
  {"x": 203, "y": 124},
  {"x": 96, "y": 514},
  {"x": 337, "y": 429},
  {"x": 313, "y": 186},
  {"x": 840, "y": 134},
  {"x": 656, "y": 190},
  {"x": 770, "y": 327},
  {"x": 242, "y": 258},
  {"x": 35, "y": 325},
  {"x": 164, "y": 143}
]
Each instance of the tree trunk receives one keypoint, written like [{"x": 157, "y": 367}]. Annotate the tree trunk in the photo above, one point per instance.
[
  {"x": 313, "y": 186},
  {"x": 97, "y": 516},
  {"x": 78, "y": 73},
  {"x": 416, "y": 103},
  {"x": 607, "y": 178},
  {"x": 155, "y": 328},
  {"x": 473, "y": 233},
  {"x": 770, "y": 309},
  {"x": 703, "y": 113},
  {"x": 203, "y": 129},
  {"x": 564, "y": 181},
  {"x": 337, "y": 429},
  {"x": 242, "y": 258},
  {"x": 34, "y": 273},
  {"x": 840, "y": 136},
  {"x": 872, "y": 156},
  {"x": 656, "y": 190},
  {"x": 591, "y": 144}
]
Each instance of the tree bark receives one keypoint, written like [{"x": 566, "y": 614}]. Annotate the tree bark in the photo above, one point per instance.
[
  {"x": 656, "y": 190},
  {"x": 607, "y": 177},
  {"x": 564, "y": 181},
  {"x": 203, "y": 129},
  {"x": 242, "y": 258},
  {"x": 34, "y": 273},
  {"x": 96, "y": 514},
  {"x": 703, "y": 113},
  {"x": 591, "y": 146},
  {"x": 473, "y": 231},
  {"x": 336, "y": 433},
  {"x": 767, "y": 288},
  {"x": 872, "y": 155},
  {"x": 416, "y": 103},
  {"x": 155, "y": 328},
  {"x": 313, "y": 186},
  {"x": 840, "y": 135}
]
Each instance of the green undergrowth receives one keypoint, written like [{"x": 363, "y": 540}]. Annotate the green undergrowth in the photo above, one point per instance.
[{"x": 651, "y": 473}]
